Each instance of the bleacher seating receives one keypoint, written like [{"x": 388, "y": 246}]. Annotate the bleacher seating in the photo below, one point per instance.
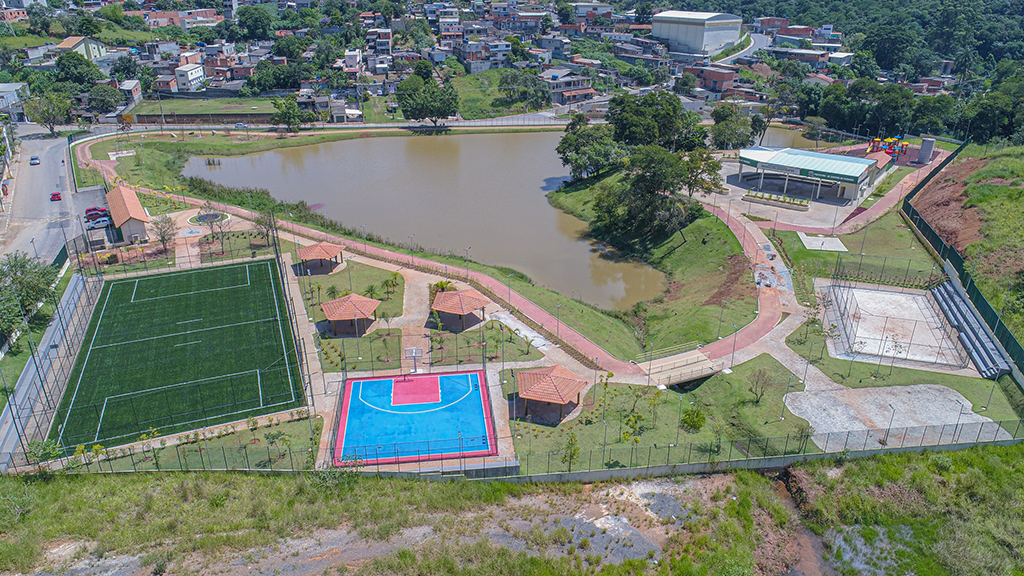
[{"x": 987, "y": 356}]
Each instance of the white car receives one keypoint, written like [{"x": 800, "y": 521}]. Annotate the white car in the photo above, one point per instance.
[{"x": 98, "y": 223}]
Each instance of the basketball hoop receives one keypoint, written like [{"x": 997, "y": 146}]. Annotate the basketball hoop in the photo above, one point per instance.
[{"x": 415, "y": 353}]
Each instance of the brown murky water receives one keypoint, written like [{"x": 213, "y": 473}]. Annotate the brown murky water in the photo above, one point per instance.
[{"x": 481, "y": 191}]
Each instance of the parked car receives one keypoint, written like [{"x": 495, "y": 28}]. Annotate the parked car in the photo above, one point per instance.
[
  {"x": 240, "y": 125},
  {"x": 95, "y": 212},
  {"x": 96, "y": 216},
  {"x": 33, "y": 161},
  {"x": 55, "y": 197},
  {"x": 96, "y": 209},
  {"x": 98, "y": 223}
]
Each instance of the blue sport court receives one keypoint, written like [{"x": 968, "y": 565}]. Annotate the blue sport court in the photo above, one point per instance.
[{"x": 414, "y": 418}]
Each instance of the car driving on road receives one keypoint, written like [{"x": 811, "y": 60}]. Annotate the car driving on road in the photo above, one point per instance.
[{"x": 33, "y": 161}]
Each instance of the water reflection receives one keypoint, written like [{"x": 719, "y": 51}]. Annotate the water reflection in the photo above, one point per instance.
[{"x": 482, "y": 191}]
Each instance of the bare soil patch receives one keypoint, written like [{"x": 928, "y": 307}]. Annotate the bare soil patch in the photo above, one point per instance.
[
  {"x": 942, "y": 204},
  {"x": 732, "y": 287}
]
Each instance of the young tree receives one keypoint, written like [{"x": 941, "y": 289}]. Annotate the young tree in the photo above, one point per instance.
[
  {"x": 164, "y": 230},
  {"x": 571, "y": 450},
  {"x": 759, "y": 382},
  {"x": 287, "y": 114},
  {"x": 264, "y": 224},
  {"x": 49, "y": 110},
  {"x": 702, "y": 172},
  {"x": 423, "y": 69},
  {"x": 693, "y": 420}
]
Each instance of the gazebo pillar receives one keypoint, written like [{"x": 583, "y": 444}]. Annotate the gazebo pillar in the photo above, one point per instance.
[
  {"x": 818, "y": 193},
  {"x": 785, "y": 187},
  {"x": 760, "y": 183}
]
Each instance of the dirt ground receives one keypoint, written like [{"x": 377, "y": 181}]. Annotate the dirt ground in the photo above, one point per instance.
[
  {"x": 605, "y": 523},
  {"x": 729, "y": 289},
  {"x": 942, "y": 204}
]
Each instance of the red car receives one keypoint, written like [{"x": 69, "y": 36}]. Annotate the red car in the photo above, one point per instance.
[
  {"x": 55, "y": 197},
  {"x": 95, "y": 210}
]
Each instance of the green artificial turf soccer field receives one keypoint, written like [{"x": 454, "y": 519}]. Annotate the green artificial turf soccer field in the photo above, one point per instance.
[{"x": 179, "y": 351}]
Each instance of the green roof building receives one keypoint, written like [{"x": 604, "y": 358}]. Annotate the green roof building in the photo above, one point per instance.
[{"x": 850, "y": 175}]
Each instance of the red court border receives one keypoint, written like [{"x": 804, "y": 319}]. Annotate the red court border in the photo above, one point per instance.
[{"x": 485, "y": 396}]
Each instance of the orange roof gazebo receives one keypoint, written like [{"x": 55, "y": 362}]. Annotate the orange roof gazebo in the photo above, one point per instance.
[
  {"x": 552, "y": 384},
  {"x": 352, "y": 307},
  {"x": 459, "y": 302},
  {"x": 320, "y": 251}
]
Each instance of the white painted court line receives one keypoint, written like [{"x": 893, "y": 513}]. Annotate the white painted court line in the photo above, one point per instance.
[
  {"x": 248, "y": 282},
  {"x": 188, "y": 343},
  {"x": 277, "y": 307},
  {"x": 112, "y": 344},
  {"x": 190, "y": 321},
  {"x": 71, "y": 406}
]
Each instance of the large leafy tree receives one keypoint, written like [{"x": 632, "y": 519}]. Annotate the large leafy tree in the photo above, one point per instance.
[
  {"x": 432, "y": 102},
  {"x": 287, "y": 114},
  {"x": 731, "y": 129},
  {"x": 73, "y": 68},
  {"x": 49, "y": 110},
  {"x": 104, "y": 98},
  {"x": 256, "y": 23},
  {"x": 26, "y": 281},
  {"x": 656, "y": 118},
  {"x": 588, "y": 150}
]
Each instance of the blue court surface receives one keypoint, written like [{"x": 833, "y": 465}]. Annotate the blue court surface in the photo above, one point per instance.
[{"x": 415, "y": 418}]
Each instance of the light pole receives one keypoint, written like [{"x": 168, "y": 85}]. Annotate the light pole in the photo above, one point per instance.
[
  {"x": 990, "y": 393},
  {"x": 735, "y": 336},
  {"x": 956, "y": 428},
  {"x": 363, "y": 226},
  {"x": 650, "y": 361},
  {"x": 810, "y": 353},
  {"x": 348, "y": 267},
  {"x": 558, "y": 322},
  {"x": 468, "y": 248},
  {"x": 411, "y": 236},
  {"x": 32, "y": 241},
  {"x": 782, "y": 415},
  {"x": 508, "y": 281},
  {"x": 885, "y": 440}
]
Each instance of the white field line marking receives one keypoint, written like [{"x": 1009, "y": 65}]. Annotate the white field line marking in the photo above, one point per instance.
[
  {"x": 191, "y": 293},
  {"x": 247, "y": 282},
  {"x": 259, "y": 383},
  {"x": 85, "y": 364},
  {"x": 188, "y": 343},
  {"x": 100, "y": 425},
  {"x": 185, "y": 383},
  {"x": 182, "y": 333},
  {"x": 284, "y": 348},
  {"x": 189, "y": 321},
  {"x": 134, "y": 290}
]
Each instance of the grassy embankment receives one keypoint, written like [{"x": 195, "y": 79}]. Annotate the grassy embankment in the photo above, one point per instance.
[
  {"x": 479, "y": 96},
  {"x": 707, "y": 273},
  {"x": 725, "y": 399},
  {"x": 997, "y": 192},
  {"x": 159, "y": 161},
  {"x": 740, "y": 46},
  {"x": 919, "y": 513}
]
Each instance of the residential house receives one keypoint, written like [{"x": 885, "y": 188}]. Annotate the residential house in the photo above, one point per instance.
[
  {"x": 189, "y": 77},
  {"x": 10, "y": 99},
  {"x": 768, "y": 24},
  {"x": 132, "y": 90},
  {"x": 816, "y": 58},
  {"x": 841, "y": 58},
  {"x": 567, "y": 87},
  {"x": 816, "y": 79},
  {"x": 715, "y": 78},
  {"x": 87, "y": 47},
  {"x": 165, "y": 83},
  {"x": 13, "y": 15},
  {"x": 560, "y": 46}
]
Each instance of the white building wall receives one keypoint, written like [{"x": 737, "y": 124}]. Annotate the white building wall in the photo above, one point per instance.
[{"x": 696, "y": 35}]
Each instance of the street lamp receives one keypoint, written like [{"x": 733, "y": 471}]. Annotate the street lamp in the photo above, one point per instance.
[
  {"x": 810, "y": 354},
  {"x": 650, "y": 361},
  {"x": 363, "y": 226},
  {"x": 956, "y": 432},
  {"x": 885, "y": 440},
  {"x": 508, "y": 281},
  {"x": 411, "y": 236},
  {"x": 782, "y": 415},
  {"x": 720, "y": 316},
  {"x": 32, "y": 241},
  {"x": 558, "y": 322},
  {"x": 468, "y": 248},
  {"x": 735, "y": 336}
]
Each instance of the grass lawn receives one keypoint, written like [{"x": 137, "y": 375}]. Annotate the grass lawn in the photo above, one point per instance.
[
  {"x": 166, "y": 352},
  {"x": 117, "y": 261},
  {"x": 206, "y": 106},
  {"x": 707, "y": 273},
  {"x": 865, "y": 374},
  {"x": 26, "y": 40},
  {"x": 376, "y": 111},
  {"x": 282, "y": 446},
  {"x": 160, "y": 205},
  {"x": 891, "y": 180},
  {"x": 85, "y": 177},
  {"x": 479, "y": 96},
  {"x": 14, "y": 362},
  {"x": 889, "y": 249},
  {"x": 929, "y": 514},
  {"x": 457, "y": 348},
  {"x": 378, "y": 350},
  {"x": 724, "y": 399},
  {"x": 355, "y": 278},
  {"x": 237, "y": 244}
]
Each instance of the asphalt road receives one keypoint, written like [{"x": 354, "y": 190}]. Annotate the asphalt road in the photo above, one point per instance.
[
  {"x": 30, "y": 222},
  {"x": 757, "y": 42}
]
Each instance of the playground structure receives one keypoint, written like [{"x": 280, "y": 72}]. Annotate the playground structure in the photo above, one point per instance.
[{"x": 896, "y": 146}]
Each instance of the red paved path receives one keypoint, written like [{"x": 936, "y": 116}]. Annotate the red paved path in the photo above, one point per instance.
[{"x": 769, "y": 302}]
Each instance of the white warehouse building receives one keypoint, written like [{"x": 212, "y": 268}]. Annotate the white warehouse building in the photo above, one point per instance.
[{"x": 696, "y": 32}]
